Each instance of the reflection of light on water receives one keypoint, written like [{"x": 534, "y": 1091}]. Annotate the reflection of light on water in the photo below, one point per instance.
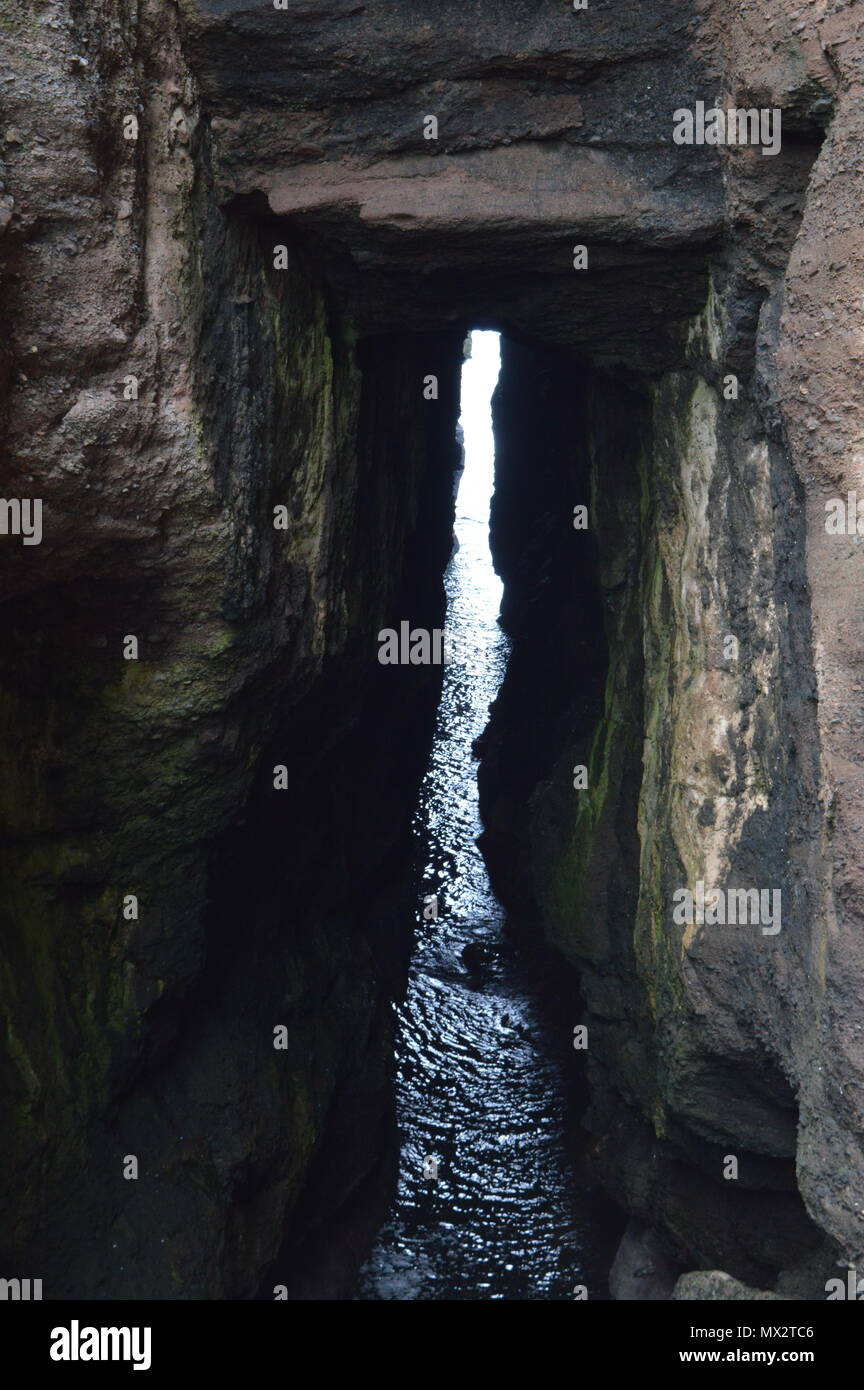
[{"x": 476, "y": 1087}]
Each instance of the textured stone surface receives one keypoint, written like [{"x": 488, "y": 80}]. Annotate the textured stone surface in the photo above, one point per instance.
[{"x": 681, "y": 1075}]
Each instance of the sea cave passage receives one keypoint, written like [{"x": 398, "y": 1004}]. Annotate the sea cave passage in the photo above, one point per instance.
[
  {"x": 428, "y": 1020},
  {"x": 409, "y": 891},
  {"x": 313, "y": 936},
  {"x": 456, "y": 871},
  {"x": 492, "y": 1201}
]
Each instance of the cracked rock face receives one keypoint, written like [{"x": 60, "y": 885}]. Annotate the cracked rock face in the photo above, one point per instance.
[{"x": 164, "y": 387}]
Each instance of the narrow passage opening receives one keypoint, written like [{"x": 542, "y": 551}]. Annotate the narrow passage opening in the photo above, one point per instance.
[{"x": 488, "y": 1204}]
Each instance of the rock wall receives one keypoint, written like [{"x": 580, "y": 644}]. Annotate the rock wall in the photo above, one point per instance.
[
  {"x": 692, "y": 770},
  {"x": 712, "y": 759},
  {"x": 168, "y": 388}
]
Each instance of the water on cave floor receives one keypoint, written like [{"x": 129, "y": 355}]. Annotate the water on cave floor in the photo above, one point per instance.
[{"x": 479, "y": 1079}]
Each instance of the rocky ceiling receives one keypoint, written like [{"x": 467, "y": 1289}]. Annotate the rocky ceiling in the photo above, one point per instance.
[{"x": 552, "y": 132}]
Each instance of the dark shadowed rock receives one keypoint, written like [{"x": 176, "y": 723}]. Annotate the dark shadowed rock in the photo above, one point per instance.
[{"x": 642, "y": 1268}]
